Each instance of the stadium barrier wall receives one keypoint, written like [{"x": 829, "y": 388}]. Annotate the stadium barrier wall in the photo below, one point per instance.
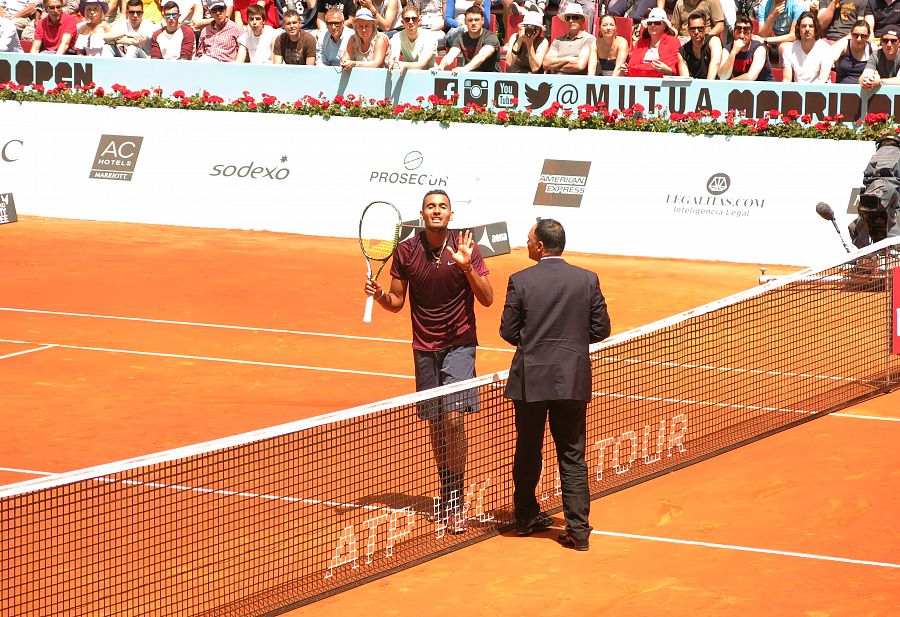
[
  {"x": 497, "y": 90},
  {"x": 742, "y": 199}
]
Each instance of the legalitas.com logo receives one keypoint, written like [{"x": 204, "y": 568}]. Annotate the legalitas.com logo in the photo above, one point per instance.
[
  {"x": 715, "y": 202},
  {"x": 252, "y": 171}
]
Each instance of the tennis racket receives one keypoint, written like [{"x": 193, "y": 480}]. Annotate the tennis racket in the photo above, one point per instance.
[{"x": 379, "y": 234}]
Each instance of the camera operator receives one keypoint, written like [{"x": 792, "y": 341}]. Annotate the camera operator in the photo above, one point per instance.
[
  {"x": 527, "y": 47},
  {"x": 478, "y": 49}
]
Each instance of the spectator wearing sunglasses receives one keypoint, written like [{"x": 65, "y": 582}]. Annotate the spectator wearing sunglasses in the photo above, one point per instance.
[
  {"x": 575, "y": 53},
  {"x": 851, "y": 58},
  {"x": 332, "y": 42},
  {"x": 656, "y": 52},
  {"x": 152, "y": 10},
  {"x": 218, "y": 41},
  {"x": 699, "y": 58},
  {"x": 203, "y": 17},
  {"x": 415, "y": 47},
  {"x": 130, "y": 38},
  {"x": 884, "y": 65},
  {"x": 746, "y": 58},
  {"x": 56, "y": 32},
  {"x": 711, "y": 10},
  {"x": 175, "y": 40},
  {"x": 528, "y": 47}
]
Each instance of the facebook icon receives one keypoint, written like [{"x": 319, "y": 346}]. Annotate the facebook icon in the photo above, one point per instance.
[{"x": 445, "y": 88}]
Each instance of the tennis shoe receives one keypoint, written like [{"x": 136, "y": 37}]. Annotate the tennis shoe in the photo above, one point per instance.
[{"x": 541, "y": 522}]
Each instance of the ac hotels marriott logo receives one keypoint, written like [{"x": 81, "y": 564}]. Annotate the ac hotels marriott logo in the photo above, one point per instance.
[{"x": 116, "y": 157}]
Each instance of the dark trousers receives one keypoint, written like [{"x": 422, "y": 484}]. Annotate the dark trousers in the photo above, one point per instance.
[{"x": 567, "y": 426}]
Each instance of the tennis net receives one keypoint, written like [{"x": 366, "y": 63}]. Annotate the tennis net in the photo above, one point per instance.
[{"x": 262, "y": 522}]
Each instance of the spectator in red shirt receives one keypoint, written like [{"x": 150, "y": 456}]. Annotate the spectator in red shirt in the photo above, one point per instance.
[
  {"x": 55, "y": 33},
  {"x": 656, "y": 53},
  {"x": 219, "y": 40}
]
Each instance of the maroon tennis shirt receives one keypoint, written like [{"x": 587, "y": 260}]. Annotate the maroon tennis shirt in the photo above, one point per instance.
[{"x": 441, "y": 300}]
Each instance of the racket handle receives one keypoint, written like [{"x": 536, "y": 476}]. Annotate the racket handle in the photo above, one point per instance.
[{"x": 367, "y": 315}]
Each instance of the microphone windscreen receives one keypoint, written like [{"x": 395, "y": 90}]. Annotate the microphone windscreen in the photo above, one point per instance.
[{"x": 825, "y": 211}]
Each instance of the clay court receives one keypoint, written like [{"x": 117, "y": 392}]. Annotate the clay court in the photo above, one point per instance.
[{"x": 122, "y": 340}]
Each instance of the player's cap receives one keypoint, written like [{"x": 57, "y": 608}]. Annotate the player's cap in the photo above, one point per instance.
[
  {"x": 531, "y": 18},
  {"x": 364, "y": 15}
]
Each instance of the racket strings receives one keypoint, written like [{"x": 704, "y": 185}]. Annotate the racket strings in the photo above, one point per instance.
[{"x": 379, "y": 248}]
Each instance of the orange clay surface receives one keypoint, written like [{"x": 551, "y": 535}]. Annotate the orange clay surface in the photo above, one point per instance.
[{"x": 828, "y": 492}]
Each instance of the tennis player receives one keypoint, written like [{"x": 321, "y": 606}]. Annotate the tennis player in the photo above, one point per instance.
[{"x": 445, "y": 274}]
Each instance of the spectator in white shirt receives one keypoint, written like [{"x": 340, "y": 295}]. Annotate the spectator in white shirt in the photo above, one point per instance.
[
  {"x": 414, "y": 47},
  {"x": 9, "y": 38},
  {"x": 172, "y": 41},
  {"x": 130, "y": 37},
  {"x": 257, "y": 42}
]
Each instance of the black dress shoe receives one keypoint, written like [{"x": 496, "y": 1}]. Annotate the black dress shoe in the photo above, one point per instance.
[
  {"x": 541, "y": 522},
  {"x": 570, "y": 542}
]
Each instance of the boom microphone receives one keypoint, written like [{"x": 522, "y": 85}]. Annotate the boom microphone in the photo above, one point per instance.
[{"x": 825, "y": 211}]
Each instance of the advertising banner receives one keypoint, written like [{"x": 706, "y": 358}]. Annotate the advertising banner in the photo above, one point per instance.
[
  {"x": 492, "y": 90},
  {"x": 743, "y": 199},
  {"x": 895, "y": 309}
]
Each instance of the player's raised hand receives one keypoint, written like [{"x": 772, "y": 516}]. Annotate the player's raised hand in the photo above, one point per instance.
[{"x": 463, "y": 254}]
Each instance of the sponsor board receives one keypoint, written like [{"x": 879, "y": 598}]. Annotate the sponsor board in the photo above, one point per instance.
[
  {"x": 116, "y": 157},
  {"x": 492, "y": 238},
  {"x": 715, "y": 202},
  {"x": 562, "y": 183},
  {"x": 410, "y": 170},
  {"x": 7, "y": 209},
  {"x": 252, "y": 171}
]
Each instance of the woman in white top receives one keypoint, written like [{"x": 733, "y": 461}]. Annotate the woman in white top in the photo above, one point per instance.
[
  {"x": 808, "y": 59},
  {"x": 91, "y": 32},
  {"x": 367, "y": 47},
  {"x": 414, "y": 47}
]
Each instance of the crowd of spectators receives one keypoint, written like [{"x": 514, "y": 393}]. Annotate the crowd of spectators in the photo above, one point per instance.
[{"x": 806, "y": 41}]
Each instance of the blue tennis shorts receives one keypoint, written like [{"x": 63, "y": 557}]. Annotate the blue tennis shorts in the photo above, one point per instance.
[{"x": 439, "y": 368}]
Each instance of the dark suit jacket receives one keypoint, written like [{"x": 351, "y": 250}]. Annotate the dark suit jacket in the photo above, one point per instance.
[{"x": 553, "y": 311}]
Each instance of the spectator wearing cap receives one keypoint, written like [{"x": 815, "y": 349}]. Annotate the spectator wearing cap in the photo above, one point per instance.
[
  {"x": 881, "y": 15},
  {"x": 699, "y": 58},
  {"x": 656, "y": 52},
  {"x": 9, "y": 38},
  {"x": 574, "y": 53},
  {"x": 175, "y": 40},
  {"x": 258, "y": 40},
  {"x": 746, "y": 58},
  {"x": 527, "y": 48},
  {"x": 130, "y": 37},
  {"x": 91, "y": 38},
  {"x": 348, "y": 9},
  {"x": 332, "y": 42},
  {"x": 204, "y": 17},
  {"x": 218, "y": 41},
  {"x": 367, "y": 48},
  {"x": 295, "y": 45},
  {"x": 711, "y": 10},
  {"x": 477, "y": 49},
  {"x": 884, "y": 65},
  {"x": 55, "y": 33},
  {"x": 415, "y": 47}
]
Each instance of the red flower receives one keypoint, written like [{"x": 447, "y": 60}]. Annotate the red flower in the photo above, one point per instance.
[
  {"x": 178, "y": 94},
  {"x": 502, "y": 116},
  {"x": 806, "y": 118}
]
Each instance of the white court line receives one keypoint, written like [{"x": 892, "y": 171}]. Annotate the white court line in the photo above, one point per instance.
[
  {"x": 28, "y": 471},
  {"x": 213, "y": 359},
  {"x": 748, "y": 549},
  {"x": 228, "y": 327},
  {"x": 22, "y": 353},
  {"x": 860, "y": 417}
]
